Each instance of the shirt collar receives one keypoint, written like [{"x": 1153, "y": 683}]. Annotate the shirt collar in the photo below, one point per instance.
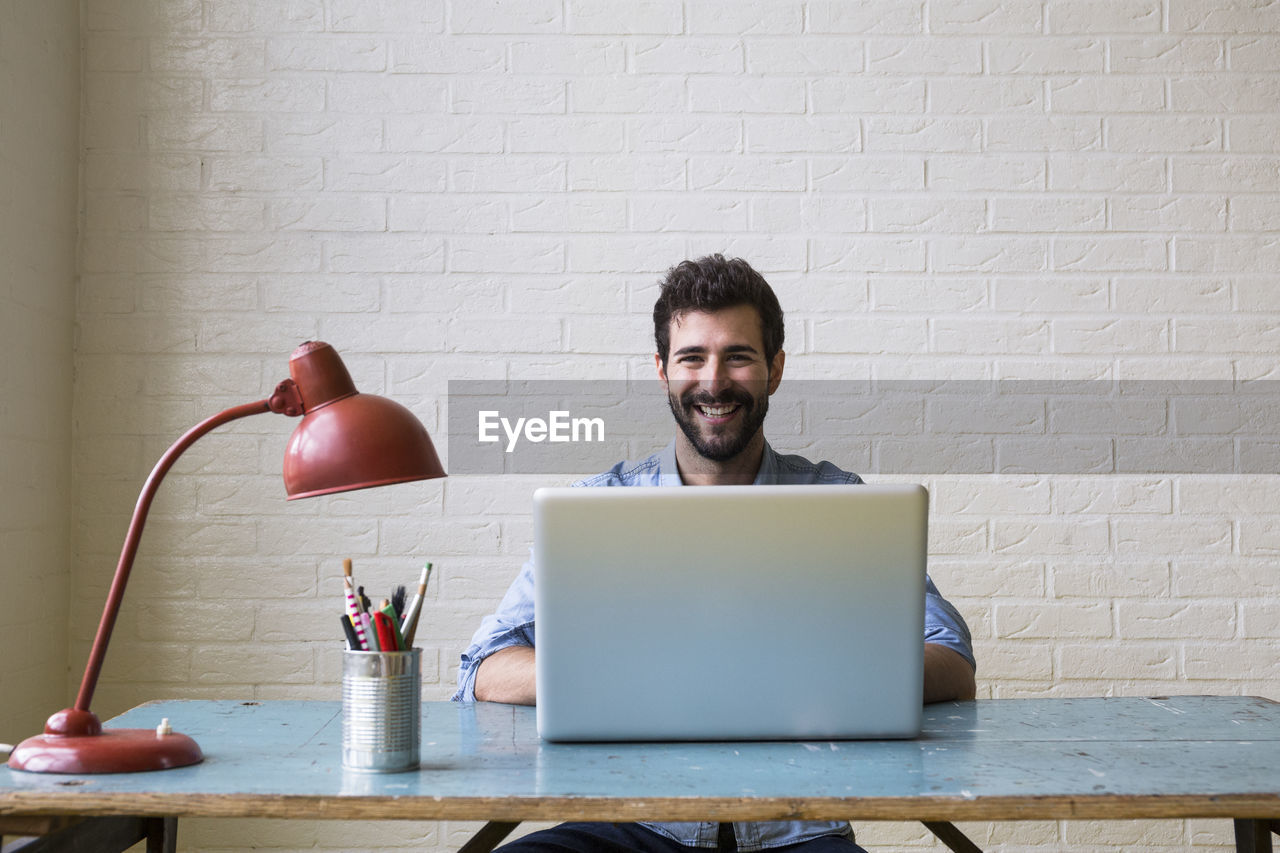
[{"x": 669, "y": 472}]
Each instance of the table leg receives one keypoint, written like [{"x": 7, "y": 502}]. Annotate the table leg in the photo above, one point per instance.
[
  {"x": 952, "y": 837},
  {"x": 1254, "y": 836},
  {"x": 489, "y": 837},
  {"x": 162, "y": 835}
]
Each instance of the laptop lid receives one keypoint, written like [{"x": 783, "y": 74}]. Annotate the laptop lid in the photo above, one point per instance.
[{"x": 729, "y": 612}]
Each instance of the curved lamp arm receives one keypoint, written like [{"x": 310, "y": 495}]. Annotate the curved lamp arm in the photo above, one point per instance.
[{"x": 130, "y": 550}]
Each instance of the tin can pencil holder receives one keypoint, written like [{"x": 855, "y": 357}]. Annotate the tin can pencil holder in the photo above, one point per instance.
[{"x": 381, "y": 710}]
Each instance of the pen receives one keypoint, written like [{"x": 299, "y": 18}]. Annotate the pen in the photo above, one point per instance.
[
  {"x": 409, "y": 627},
  {"x": 389, "y": 611},
  {"x": 353, "y": 641},
  {"x": 386, "y": 639}
]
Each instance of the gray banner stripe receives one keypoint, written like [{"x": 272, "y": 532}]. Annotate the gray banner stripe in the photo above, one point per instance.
[{"x": 580, "y": 427}]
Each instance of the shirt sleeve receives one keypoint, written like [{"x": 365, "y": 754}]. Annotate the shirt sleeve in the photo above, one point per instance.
[
  {"x": 510, "y": 625},
  {"x": 943, "y": 624}
]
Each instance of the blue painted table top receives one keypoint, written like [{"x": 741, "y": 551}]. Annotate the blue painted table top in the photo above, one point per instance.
[{"x": 995, "y": 760}]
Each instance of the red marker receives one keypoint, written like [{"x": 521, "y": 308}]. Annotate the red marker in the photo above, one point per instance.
[{"x": 386, "y": 635}]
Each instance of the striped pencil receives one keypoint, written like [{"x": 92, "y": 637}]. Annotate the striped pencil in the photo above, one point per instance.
[{"x": 353, "y": 609}]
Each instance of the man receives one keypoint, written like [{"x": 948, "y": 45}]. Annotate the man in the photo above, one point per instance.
[{"x": 719, "y": 334}]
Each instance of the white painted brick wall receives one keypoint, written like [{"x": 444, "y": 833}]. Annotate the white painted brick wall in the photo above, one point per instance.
[
  {"x": 39, "y": 154},
  {"x": 480, "y": 189}
]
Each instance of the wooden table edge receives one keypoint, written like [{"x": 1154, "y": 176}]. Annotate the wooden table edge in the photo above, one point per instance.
[{"x": 324, "y": 807}]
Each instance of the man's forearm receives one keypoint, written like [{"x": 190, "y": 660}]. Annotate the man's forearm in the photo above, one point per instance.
[
  {"x": 947, "y": 675},
  {"x": 507, "y": 676}
]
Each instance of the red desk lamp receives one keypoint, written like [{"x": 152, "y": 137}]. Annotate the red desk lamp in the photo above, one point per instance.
[{"x": 347, "y": 440}]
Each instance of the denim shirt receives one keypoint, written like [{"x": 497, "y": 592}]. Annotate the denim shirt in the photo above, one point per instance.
[{"x": 513, "y": 625}]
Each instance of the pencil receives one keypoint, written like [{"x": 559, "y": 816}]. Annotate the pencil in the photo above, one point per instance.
[
  {"x": 353, "y": 606},
  {"x": 353, "y": 611}
]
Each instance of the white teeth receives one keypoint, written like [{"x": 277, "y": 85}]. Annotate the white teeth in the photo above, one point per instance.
[{"x": 717, "y": 411}]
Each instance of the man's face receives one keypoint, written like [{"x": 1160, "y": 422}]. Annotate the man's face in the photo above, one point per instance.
[{"x": 718, "y": 382}]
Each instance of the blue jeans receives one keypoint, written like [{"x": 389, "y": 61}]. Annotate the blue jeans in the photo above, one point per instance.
[{"x": 634, "y": 838}]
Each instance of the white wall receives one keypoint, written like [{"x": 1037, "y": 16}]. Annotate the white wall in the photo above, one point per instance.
[
  {"x": 476, "y": 189},
  {"x": 39, "y": 160}
]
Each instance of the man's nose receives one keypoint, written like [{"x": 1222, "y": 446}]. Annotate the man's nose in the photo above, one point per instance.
[{"x": 716, "y": 376}]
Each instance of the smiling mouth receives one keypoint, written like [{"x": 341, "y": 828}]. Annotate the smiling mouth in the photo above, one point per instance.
[{"x": 718, "y": 412}]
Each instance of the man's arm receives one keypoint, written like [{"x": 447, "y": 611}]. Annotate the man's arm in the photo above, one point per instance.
[
  {"x": 508, "y": 675},
  {"x": 947, "y": 675}
]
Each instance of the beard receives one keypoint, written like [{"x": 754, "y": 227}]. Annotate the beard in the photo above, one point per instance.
[{"x": 720, "y": 443}]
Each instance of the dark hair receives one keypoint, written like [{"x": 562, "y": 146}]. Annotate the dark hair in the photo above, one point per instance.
[{"x": 713, "y": 283}]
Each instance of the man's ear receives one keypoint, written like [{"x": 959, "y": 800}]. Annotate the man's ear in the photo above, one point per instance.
[
  {"x": 775, "y": 370},
  {"x": 662, "y": 369}
]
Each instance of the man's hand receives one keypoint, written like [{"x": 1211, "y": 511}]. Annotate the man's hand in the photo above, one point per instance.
[
  {"x": 508, "y": 676},
  {"x": 947, "y": 675}
]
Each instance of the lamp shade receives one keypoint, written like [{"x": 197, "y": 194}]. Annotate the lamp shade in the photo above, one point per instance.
[
  {"x": 354, "y": 443},
  {"x": 348, "y": 440}
]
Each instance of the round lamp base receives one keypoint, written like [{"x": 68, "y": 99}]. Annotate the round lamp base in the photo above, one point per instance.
[{"x": 113, "y": 751}]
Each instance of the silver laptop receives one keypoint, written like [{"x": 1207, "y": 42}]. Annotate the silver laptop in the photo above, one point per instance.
[{"x": 730, "y": 612}]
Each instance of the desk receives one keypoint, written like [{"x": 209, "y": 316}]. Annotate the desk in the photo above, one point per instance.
[{"x": 1017, "y": 759}]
